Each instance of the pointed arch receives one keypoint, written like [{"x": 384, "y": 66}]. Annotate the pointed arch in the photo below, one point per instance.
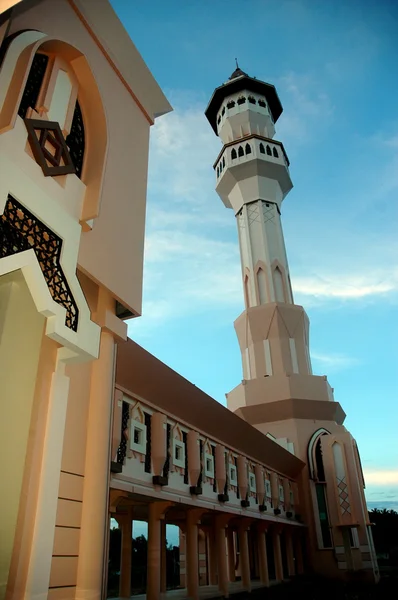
[
  {"x": 246, "y": 286},
  {"x": 262, "y": 286},
  {"x": 240, "y": 151},
  {"x": 275, "y": 152},
  {"x": 233, "y": 154},
  {"x": 262, "y": 149},
  {"x": 248, "y": 149},
  {"x": 230, "y": 104},
  {"x": 314, "y": 454},
  {"x": 269, "y": 150},
  {"x": 278, "y": 285}
]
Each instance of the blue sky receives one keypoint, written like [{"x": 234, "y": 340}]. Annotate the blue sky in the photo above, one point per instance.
[{"x": 334, "y": 65}]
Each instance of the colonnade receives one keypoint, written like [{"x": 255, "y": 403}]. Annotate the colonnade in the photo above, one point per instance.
[{"x": 215, "y": 549}]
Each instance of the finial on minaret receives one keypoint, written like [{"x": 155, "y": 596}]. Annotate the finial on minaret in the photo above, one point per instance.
[
  {"x": 238, "y": 71},
  {"x": 236, "y": 61}
]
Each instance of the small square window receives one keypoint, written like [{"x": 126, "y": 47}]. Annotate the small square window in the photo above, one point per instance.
[
  {"x": 209, "y": 465},
  {"x": 233, "y": 476},
  {"x": 178, "y": 453},
  {"x": 138, "y": 437}
]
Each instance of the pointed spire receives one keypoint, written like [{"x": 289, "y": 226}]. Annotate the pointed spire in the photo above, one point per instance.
[{"x": 238, "y": 71}]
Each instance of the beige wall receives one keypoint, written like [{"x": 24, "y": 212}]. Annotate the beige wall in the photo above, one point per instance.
[{"x": 21, "y": 330}]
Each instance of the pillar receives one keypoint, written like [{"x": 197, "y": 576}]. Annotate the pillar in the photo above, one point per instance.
[
  {"x": 299, "y": 555},
  {"x": 192, "y": 554},
  {"x": 277, "y": 555},
  {"x": 231, "y": 554},
  {"x": 222, "y": 567},
  {"x": 262, "y": 556},
  {"x": 244, "y": 557},
  {"x": 212, "y": 556},
  {"x": 290, "y": 554},
  {"x": 155, "y": 515},
  {"x": 163, "y": 556},
  {"x": 126, "y": 523},
  {"x": 96, "y": 474}
]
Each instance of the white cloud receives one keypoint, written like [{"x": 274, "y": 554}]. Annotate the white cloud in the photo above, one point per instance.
[
  {"x": 346, "y": 287},
  {"x": 332, "y": 362},
  {"x": 381, "y": 477}
]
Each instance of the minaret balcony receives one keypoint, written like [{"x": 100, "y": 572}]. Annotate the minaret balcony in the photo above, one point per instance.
[{"x": 251, "y": 157}]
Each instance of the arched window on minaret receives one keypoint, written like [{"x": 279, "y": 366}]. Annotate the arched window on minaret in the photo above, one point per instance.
[
  {"x": 247, "y": 290},
  {"x": 275, "y": 152},
  {"x": 241, "y": 100},
  {"x": 317, "y": 474},
  {"x": 252, "y": 99},
  {"x": 248, "y": 149},
  {"x": 278, "y": 285},
  {"x": 262, "y": 103},
  {"x": 218, "y": 172},
  {"x": 269, "y": 151},
  {"x": 262, "y": 286},
  {"x": 223, "y": 111},
  {"x": 233, "y": 154},
  {"x": 231, "y": 104},
  {"x": 223, "y": 161},
  {"x": 240, "y": 151},
  {"x": 262, "y": 149}
]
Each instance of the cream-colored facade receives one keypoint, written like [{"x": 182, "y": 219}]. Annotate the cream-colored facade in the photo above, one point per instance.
[{"x": 92, "y": 427}]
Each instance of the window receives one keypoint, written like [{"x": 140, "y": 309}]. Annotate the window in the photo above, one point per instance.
[
  {"x": 233, "y": 154},
  {"x": 248, "y": 149},
  {"x": 269, "y": 151},
  {"x": 323, "y": 515},
  {"x": 262, "y": 103},
  {"x": 275, "y": 152},
  {"x": 281, "y": 493},
  {"x": 268, "y": 488},
  {"x": 137, "y": 437},
  {"x": 178, "y": 453},
  {"x": 252, "y": 100},
  {"x": 233, "y": 475},
  {"x": 76, "y": 140},
  {"x": 33, "y": 84},
  {"x": 218, "y": 172},
  {"x": 241, "y": 100},
  {"x": 219, "y": 119},
  {"x": 209, "y": 465},
  {"x": 223, "y": 111},
  {"x": 231, "y": 104},
  {"x": 240, "y": 151},
  {"x": 262, "y": 149},
  {"x": 252, "y": 482},
  {"x": 223, "y": 161}
]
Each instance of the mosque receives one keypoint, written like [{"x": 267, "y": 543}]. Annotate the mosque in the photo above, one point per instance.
[{"x": 265, "y": 490}]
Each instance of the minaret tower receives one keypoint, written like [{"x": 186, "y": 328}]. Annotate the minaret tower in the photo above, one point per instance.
[
  {"x": 278, "y": 394},
  {"x": 253, "y": 179}
]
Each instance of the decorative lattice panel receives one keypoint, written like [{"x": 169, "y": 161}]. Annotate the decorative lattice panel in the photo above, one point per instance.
[
  {"x": 122, "y": 450},
  {"x": 20, "y": 230},
  {"x": 76, "y": 140},
  {"x": 33, "y": 84},
  {"x": 343, "y": 496},
  {"x": 49, "y": 147}
]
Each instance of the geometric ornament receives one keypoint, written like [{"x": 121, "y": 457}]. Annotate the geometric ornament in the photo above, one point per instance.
[
  {"x": 49, "y": 147},
  {"x": 343, "y": 495},
  {"x": 20, "y": 230}
]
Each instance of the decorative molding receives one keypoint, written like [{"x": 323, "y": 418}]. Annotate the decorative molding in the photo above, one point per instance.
[{"x": 49, "y": 147}]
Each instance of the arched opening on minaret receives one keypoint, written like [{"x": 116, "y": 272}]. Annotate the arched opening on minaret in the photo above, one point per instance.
[
  {"x": 247, "y": 291},
  {"x": 269, "y": 151},
  {"x": 275, "y": 152},
  {"x": 262, "y": 149},
  {"x": 240, "y": 151},
  {"x": 233, "y": 154},
  {"x": 248, "y": 149},
  {"x": 278, "y": 285},
  {"x": 262, "y": 286}
]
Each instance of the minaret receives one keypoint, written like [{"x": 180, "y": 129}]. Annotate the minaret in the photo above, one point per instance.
[
  {"x": 278, "y": 394},
  {"x": 253, "y": 179}
]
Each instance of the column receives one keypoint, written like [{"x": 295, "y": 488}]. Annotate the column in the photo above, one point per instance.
[
  {"x": 222, "y": 568},
  {"x": 231, "y": 554},
  {"x": 95, "y": 494},
  {"x": 191, "y": 554},
  {"x": 277, "y": 555},
  {"x": 126, "y": 523},
  {"x": 290, "y": 554},
  {"x": 163, "y": 556},
  {"x": 212, "y": 556},
  {"x": 262, "y": 555},
  {"x": 244, "y": 557},
  {"x": 155, "y": 514},
  {"x": 299, "y": 555}
]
